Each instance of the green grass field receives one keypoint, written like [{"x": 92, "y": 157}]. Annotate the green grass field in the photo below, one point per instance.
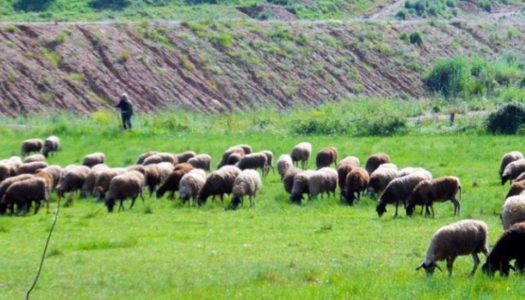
[{"x": 321, "y": 249}]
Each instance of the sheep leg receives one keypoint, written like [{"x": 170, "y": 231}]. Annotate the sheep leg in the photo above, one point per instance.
[
  {"x": 37, "y": 207},
  {"x": 520, "y": 265},
  {"x": 432, "y": 209},
  {"x": 457, "y": 205},
  {"x": 450, "y": 263},
  {"x": 397, "y": 204},
  {"x": 476, "y": 263},
  {"x": 121, "y": 206},
  {"x": 132, "y": 202}
]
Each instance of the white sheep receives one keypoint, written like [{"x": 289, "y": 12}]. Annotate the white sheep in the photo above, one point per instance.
[
  {"x": 248, "y": 183},
  {"x": 191, "y": 184},
  {"x": 301, "y": 153},
  {"x": 513, "y": 211},
  {"x": 283, "y": 164}
]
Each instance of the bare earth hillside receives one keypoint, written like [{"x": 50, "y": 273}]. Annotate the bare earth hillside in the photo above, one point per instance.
[{"x": 215, "y": 67}]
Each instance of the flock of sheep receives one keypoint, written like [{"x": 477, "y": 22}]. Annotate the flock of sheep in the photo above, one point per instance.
[{"x": 31, "y": 180}]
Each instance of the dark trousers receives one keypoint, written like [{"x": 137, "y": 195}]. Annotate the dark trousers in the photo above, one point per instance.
[{"x": 126, "y": 121}]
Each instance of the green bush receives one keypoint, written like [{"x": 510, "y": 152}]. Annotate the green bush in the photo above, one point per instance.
[
  {"x": 381, "y": 126},
  {"x": 507, "y": 119},
  {"x": 109, "y": 4},
  {"x": 32, "y": 5},
  {"x": 416, "y": 38},
  {"x": 449, "y": 77},
  {"x": 319, "y": 127}
]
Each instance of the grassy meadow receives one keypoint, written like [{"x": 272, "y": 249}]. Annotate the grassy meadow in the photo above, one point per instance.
[{"x": 321, "y": 249}]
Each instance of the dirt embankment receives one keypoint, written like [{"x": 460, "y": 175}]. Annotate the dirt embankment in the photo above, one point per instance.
[{"x": 224, "y": 66}]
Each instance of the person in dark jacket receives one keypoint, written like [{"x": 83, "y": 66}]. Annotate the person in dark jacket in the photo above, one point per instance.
[{"x": 126, "y": 111}]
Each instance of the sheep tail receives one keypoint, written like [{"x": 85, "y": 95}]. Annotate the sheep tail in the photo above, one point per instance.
[{"x": 460, "y": 192}]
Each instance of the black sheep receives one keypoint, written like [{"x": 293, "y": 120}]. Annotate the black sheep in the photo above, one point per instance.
[{"x": 511, "y": 245}]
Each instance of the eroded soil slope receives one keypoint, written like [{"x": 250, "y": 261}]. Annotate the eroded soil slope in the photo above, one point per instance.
[{"x": 215, "y": 67}]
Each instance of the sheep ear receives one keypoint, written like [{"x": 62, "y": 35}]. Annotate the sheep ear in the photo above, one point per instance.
[{"x": 420, "y": 266}]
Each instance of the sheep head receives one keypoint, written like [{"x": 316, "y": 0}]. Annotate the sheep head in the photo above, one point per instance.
[{"x": 429, "y": 267}]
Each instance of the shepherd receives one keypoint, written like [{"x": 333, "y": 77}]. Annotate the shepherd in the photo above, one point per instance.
[{"x": 126, "y": 111}]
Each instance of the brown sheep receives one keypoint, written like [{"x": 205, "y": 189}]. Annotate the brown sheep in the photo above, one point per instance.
[
  {"x": 171, "y": 183},
  {"x": 288, "y": 178},
  {"x": 94, "y": 159},
  {"x": 437, "y": 190},
  {"x": 126, "y": 185},
  {"x": 138, "y": 168},
  {"x": 5, "y": 171},
  {"x": 23, "y": 193},
  {"x": 89, "y": 184},
  {"x": 201, "y": 161},
  {"x": 301, "y": 153},
  {"x": 10, "y": 166},
  {"x": 34, "y": 157},
  {"x": 56, "y": 171},
  {"x": 269, "y": 158},
  {"x": 326, "y": 157},
  {"x": 48, "y": 178},
  {"x": 342, "y": 171},
  {"x": 301, "y": 184},
  {"x": 516, "y": 189},
  {"x": 31, "y": 168},
  {"x": 231, "y": 156},
  {"x": 507, "y": 159},
  {"x": 380, "y": 179},
  {"x": 145, "y": 155},
  {"x": 218, "y": 183},
  {"x": 375, "y": 160},
  {"x": 184, "y": 156},
  {"x": 513, "y": 171},
  {"x": 8, "y": 182},
  {"x": 103, "y": 180},
  {"x": 156, "y": 174},
  {"x": 254, "y": 161},
  {"x": 72, "y": 179},
  {"x": 398, "y": 191},
  {"x": 351, "y": 160},
  {"x": 355, "y": 184},
  {"x": 32, "y": 145},
  {"x": 51, "y": 145}
]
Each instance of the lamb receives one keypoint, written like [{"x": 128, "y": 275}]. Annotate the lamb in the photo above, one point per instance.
[
  {"x": 103, "y": 180},
  {"x": 289, "y": 177},
  {"x": 145, "y": 155},
  {"x": 438, "y": 190},
  {"x": 398, "y": 190},
  {"x": 510, "y": 246},
  {"x": 301, "y": 153},
  {"x": 89, "y": 184},
  {"x": 375, "y": 160},
  {"x": 184, "y": 157},
  {"x": 231, "y": 156},
  {"x": 284, "y": 164},
  {"x": 380, "y": 179},
  {"x": 34, "y": 157},
  {"x": 300, "y": 186},
  {"x": 7, "y": 183},
  {"x": 513, "y": 170},
  {"x": 191, "y": 184},
  {"x": 254, "y": 161},
  {"x": 355, "y": 183},
  {"x": 51, "y": 145},
  {"x": 456, "y": 239},
  {"x": 219, "y": 183},
  {"x": 31, "y": 168},
  {"x": 126, "y": 185},
  {"x": 507, "y": 159},
  {"x": 269, "y": 158},
  {"x": 248, "y": 183},
  {"x": 72, "y": 179},
  {"x": 326, "y": 157},
  {"x": 94, "y": 159},
  {"x": 352, "y": 160},
  {"x": 201, "y": 161},
  {"x": 171, "y": 183},
  {"x": 56, "y": 171},
  {"x": 22, "y": 193},
  {"x": 513, "y": 211},
  {"x": 410, "y": 170},
  {"x": 32, "y": 145},
  {"x": 156, "y": 174}
]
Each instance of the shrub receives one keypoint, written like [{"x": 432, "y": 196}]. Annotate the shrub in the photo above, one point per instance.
[
  {"x": 381, "y": 126},
  {"x": 124, "y": 56},
  {"x": 319, "y": 126},
  {"x": 109, "y": 4},
  {"x": 507, "y": 119},
  {"x": 223, "y": 40},
  {"x": 101, "y": 117},
  {"x": 449, "y": 77},
  {"x": 32, "y": 5},
  {"x": 416, "y": 38}
]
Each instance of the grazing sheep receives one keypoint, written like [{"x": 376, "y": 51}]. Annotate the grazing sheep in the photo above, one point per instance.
[
  {"x": 171, "y": 183},
  {"x": 342, "y": 170},
  {"x": 56, "y": 171},
  {"x": 248, "y": 183},
  {"x": 201, "y": 161},
  {"x": 510, "y": 246},
  {"x": 322, "y": 181},
  {"x": 380, "y": 179},
  {"x": 300, "y": 186},
  {"x": 516, "y": 188},
  {"x": 513, "y": 211},
  {"x": 254, "y": 161},
  {"x": 269, "y": 158},
  {"x": 10, "y": 166},
  {"x": 24, "y": 192},
  {"x": 375, "y": 160},
  {"x": 89, "y": 184},
  {"x": 51, "y": 145},
  {"x": 32, "y": 145},
  {"x": 456, "y": 239},
  {"x": 507, "y": 159},
  {"x": 138, "y": 168},
  {"x": 94, "y": 159},
  {"x": 288, "y": 178},
  {"x": 355, "y": 184},
  {"x": 437, "y": 190},
  {"x": 48, "y": 178},
  {"x": 145, "y": 155},
  {"x": 103, "y": 180},
  {"x": 184, "y": 156},
  {"x": 411, "y": 170},
  {"x": 245, "y": 147},
  {"x": 153, "y": 159},
  {"x": 354, "y": 161},
  {"x": 301, "y": 153},
  {"x": 31, "y": 168},
  {"x": 219, "y": 183},
  {"x": 72, "y": 179},
  {"x": 5, "y": 171},
  {"x": 126, "y": 185},
  {"x": 326, "y": 157},
  {"x": 398, "y": 191},
  {"x": 191, "y": 184},
  {"x": 283, "y": 164},
  {"x": 513, "y": 170},
  {"x": 34, "y": 158},
  {"x": 7, "y": 183},
  {"x": 231, "y": 156}
]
